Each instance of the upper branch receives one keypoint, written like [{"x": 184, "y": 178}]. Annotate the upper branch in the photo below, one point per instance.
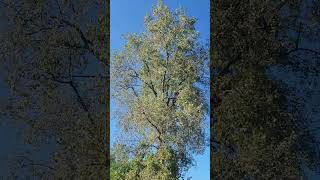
[{"x": 151, "y": 86}]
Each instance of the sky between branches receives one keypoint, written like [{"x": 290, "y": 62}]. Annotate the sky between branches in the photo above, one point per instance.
[{"x": 127, "y": 17}]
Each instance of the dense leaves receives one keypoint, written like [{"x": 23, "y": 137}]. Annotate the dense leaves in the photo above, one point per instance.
[
  {"x": 156, "y": 81},
  {"x": 257, "y": 132},
  {"x": 54, "y": 55}
]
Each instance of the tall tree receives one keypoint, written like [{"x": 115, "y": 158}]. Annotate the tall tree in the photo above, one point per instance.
[
  {"x": 156, "y": 81},
  {"x": 55, "y": 56},
  {"x": 258, "y": 133}
]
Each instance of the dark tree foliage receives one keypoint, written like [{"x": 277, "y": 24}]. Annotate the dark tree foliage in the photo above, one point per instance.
[
  {"x": 258, "y": 128},
  {"x": 55, "y": 59}
]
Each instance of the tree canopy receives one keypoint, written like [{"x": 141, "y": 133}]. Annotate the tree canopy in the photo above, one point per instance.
[
  {"x": 157, "y": 80},
  {"x": 258, "y": 131},
  {"x": 55, "y": 59}
]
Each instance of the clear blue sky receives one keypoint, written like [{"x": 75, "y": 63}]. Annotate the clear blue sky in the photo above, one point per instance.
[{"x": 127, "y": 17}]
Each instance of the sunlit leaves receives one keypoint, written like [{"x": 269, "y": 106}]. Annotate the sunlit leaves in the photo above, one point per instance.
[{"x": 154, "y": 80}]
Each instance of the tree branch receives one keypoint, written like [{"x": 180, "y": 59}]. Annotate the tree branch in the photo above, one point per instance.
[
  {"x": 153, "y": 125},
  {"x": 297, "y": 43},
  {"x": 79, "y": 98},
  {"x": 151, "y": 86},
  {"x": 34, "y": 164},
  {"x": 303, "y": 49},
  {"x": 134, "y": 91}
]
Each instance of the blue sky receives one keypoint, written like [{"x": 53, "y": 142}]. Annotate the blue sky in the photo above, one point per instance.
[{"x": 127, "y": 16}]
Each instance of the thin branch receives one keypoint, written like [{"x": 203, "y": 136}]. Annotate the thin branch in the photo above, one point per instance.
[
  {"x": 80, "y": 100},
  {"x": 297, "y": 43},
  {"x": 165, "y": 73},
  {"x": 299, "y": 35},
  {"x": 86, "y": 109},
  {"x": 303, "y": 49},
  {"x": 86, "y": 41},
  {"x": 38, "y": 31},
  {"x": 70, "y": 67},
  {"x": 153, "y": 125},
  {"x": 153, "y": 89},
  {"x": 34, "y": 164},
  {"x": 72, "y": 7},
  {"x": 82, "y": 36},
  {"x": 134, "y": 91},
  {"x": 281, "y": 5},
  {"x": 53, "y": 78},
  {"x": 151, "y": 86},
  {"x": 38, "y": 164},
  {"x": 59, "y": 7}
]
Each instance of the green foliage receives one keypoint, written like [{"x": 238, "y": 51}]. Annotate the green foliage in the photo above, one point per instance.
[
  {"x": 255, "y": 135},
  {"x": 47, "y": 49},
  {"x": 154, "y": 79},
  {"x": 150, "y": 165}
]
